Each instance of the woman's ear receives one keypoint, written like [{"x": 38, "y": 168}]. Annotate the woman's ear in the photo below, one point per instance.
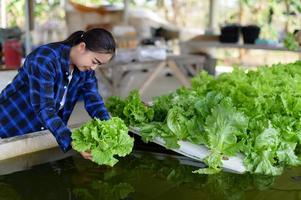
[{"x": 82, "y": 47}]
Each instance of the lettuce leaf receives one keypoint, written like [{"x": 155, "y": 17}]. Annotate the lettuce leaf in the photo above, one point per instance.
[
  {"x": 105, "y": 140},
  {"x": 256, "y": 113}
]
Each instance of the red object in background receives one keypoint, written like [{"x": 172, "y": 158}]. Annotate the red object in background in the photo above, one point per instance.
[{"x": 12, "y": 50}]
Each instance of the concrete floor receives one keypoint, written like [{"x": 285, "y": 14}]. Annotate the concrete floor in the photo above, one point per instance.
[{"x": 163, "y": 84}]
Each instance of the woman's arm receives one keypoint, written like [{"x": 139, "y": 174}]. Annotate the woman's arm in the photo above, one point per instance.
[
  {"x": 94, "y": 103},
  {"x": 41, "y": 82}
]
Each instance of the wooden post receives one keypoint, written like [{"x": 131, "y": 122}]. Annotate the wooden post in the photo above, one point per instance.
[
  {"x": 212, "y": 17},
  {"x": 29, "y": 5},
  {"x": 3, "y": 13}
]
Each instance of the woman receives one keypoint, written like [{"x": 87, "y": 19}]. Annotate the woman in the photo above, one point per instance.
[{"x": 45, "y": 90}]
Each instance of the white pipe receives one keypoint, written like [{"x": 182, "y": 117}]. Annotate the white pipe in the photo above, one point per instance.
[{"x": 200, "y": 152}]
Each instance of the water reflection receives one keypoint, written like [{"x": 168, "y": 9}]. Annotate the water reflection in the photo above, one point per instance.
[
  {"x": 7, "y": 192},
  {"x": 142, "y": 176},
  {"x": 167, "y": 179}
]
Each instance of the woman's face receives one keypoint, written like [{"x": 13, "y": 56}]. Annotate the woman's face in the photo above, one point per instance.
[{"x": 85, "y": 60}]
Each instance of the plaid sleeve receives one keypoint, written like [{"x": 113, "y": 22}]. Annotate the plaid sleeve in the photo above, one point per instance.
[
  {"x": 41, "y": 83},
  {"x": 94, "y": 103}
]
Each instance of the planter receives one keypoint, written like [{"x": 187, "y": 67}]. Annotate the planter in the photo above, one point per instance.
[
  {"x": 250, "y": 33},
  {"x": 229, "y": 34}
]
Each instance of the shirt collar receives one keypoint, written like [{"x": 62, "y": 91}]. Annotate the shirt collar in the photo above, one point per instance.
[{"x": 65, "y": 58}]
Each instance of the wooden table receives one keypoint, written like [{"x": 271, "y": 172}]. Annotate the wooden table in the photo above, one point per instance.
[
  {"x": 217, "y": 44},
  {"x": 209, "y": 46},
  {"x": 182, "y": 66}
]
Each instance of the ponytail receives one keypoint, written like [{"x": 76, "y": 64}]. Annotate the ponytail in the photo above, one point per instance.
[
  {"x": 97, "y": 40},
  {"x": 74, "y": 38}
]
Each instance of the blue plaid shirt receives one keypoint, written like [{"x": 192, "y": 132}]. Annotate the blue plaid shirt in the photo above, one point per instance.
[{"x": 32, "y": 101}]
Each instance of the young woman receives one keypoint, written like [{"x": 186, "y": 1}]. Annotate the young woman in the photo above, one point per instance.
[{"x": 45, "y": 90}]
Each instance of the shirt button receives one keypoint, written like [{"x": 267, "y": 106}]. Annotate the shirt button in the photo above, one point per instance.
[
  {"x": 67, "y": 73},
  {"x": 65, "y": 87},
  {"x": 42, "y": 128}
]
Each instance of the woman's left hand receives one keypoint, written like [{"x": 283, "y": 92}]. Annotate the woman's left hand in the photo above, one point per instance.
[{"x": 87, "y": 155}]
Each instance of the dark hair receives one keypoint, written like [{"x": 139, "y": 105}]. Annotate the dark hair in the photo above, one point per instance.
[{"x": 96, "y": 40}]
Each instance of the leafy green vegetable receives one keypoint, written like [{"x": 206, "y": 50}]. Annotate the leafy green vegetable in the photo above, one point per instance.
[
  {"x": 135, "y": 111},
  {"x": 268, "y": 100},
  {"x": 105, "y": 139},
  {"x": 115, "y": 105},
  {"x": 255, "y": 113},
  {"x": 161, "y": 105},
  {"x": 132, "y": 110},
  {"x": 157, "y": 129},
  {"x": 222, "y": 129}
]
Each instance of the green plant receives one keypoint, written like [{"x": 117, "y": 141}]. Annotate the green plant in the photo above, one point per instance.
[{"x": 105, "y": 139}]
